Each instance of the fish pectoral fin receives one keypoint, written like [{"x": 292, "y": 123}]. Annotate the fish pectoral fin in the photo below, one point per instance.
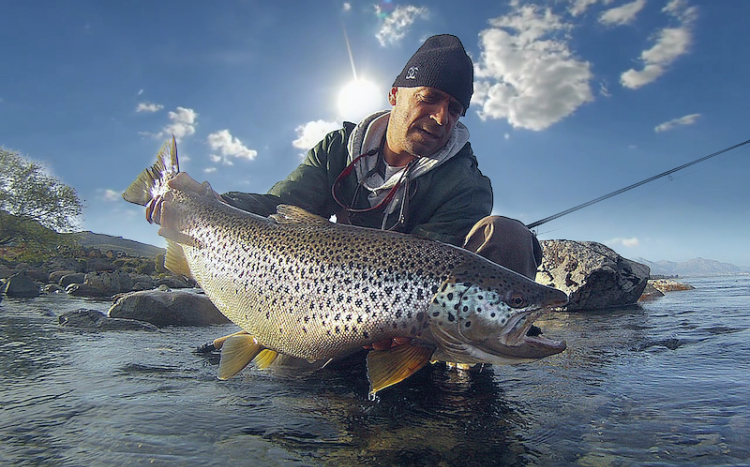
[
  {"x": 177, "y": 236},
  {"x": 388, "y": 367},
  {"x": 236, "y": 353},
  {"x": 175, "y": 259},
  {"x": 265, "y": 358},
  {"x": 287, "y": 214}
]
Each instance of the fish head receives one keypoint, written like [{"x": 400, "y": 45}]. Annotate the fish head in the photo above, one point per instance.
[{"x": 488, "y": 318}]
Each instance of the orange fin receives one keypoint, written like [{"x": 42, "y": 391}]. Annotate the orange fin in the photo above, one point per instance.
[
  {"x": 236, "y": 353},
  {"x": 388, "y": 367},
  {"x": 265, "y": 358}
]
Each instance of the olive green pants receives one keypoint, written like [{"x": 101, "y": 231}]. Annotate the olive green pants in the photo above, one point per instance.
[{"x": 506, "y": 242}]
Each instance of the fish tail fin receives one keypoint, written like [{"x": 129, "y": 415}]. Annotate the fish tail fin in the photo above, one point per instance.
[
  {"x": 236, "y": 353},
  {"x": 152, "y": 181}
]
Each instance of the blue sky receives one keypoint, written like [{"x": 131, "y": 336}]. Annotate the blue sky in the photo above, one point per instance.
[{"x": 573, "y": 99}]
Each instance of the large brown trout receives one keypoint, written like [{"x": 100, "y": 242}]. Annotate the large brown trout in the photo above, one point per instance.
[{"x": 304, "y": 287}]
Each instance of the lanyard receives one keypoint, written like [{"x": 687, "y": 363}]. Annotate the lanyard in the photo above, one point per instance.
[{"x": 348, "y": 170}]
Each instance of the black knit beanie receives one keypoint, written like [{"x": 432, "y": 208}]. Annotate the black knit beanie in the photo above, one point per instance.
[{"x": 442, "y": 63}]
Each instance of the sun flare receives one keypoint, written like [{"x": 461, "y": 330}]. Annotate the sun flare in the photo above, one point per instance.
[{"x": 359, "y": 98}]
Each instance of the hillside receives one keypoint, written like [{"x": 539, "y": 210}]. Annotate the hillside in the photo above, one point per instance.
[
  {"x": 693, "y": 267},
  {"x": 108, "y": 242}
]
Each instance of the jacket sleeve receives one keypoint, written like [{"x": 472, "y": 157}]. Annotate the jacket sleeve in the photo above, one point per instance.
[
  {"x": 467, "y": 200},
  {"x": 308, "y": 186}
]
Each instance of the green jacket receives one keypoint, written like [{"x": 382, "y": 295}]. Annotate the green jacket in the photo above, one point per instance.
[{"x": 443, "y": 204}]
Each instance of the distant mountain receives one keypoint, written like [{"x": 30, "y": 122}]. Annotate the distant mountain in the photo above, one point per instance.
[
  {"x": 693, "y": 267},
  {"x": 108, "y": 242}
]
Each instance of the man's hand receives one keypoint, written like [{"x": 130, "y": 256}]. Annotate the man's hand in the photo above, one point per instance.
[{"x": 156, "y": 208}]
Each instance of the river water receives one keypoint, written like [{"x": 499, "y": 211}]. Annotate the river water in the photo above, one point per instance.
[{"x": 665, "y": 384}]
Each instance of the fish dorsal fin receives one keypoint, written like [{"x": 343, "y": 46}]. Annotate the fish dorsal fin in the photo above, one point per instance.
[
  {"x": 388, "y": 367},
  {"x": 265, "y": 358},
  {"x": 236, "y": 353},
  {"x": 287, "y": 214},
  {"x": 175, "y": 259}
]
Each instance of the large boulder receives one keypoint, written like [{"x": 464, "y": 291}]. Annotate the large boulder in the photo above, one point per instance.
[
  {"x": 167, "y": 308},
  {"x": 21, "y": 286},
  {"x": 593, "y": 275},
  {"x": 73, "y": 278},
  {"x": 5, "y": 271},
  {"x": 102, "y": 284},
  {"x": 94, "y": 320},
  {"x": 176, "y": 282}
]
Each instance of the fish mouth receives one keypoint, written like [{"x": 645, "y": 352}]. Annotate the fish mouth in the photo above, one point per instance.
[{"x": 524, "y": 342}]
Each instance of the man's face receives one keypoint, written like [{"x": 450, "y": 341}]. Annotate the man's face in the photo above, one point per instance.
[{"x": 421, "y": 120}]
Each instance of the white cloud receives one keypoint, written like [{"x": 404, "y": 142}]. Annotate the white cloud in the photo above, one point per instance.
[
  {"x": 396, "y": 24},
  {"x": 578, "y": 7},
  {"x": 347, "y": 6},
  {"x": 183, "y": 124},
  {"x": 686, "y": 120},
  {"x": 140, "y": 91},
  {"x": 526, "y": 72},
  {"x": 209, "y": 170},
  {"x": 622, "y": 14},
  {"x": 228, "y": 147},
  {"x": 109, "y": 195},
  {"x": 148, "y": 107},
  {"x": 626, "y": 242},
  {"x": 670, "y": 43},
  {"x": 310, "y": 134}
]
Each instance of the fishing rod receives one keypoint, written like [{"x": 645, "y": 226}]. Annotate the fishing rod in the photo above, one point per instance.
[{"x": 635, "y": 185}]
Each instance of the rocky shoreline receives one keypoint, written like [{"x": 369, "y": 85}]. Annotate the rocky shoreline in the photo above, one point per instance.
[{"x": 594, "y": 277}]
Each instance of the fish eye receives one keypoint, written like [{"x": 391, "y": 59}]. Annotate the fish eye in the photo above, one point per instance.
[{"x": 516, "y": 300}]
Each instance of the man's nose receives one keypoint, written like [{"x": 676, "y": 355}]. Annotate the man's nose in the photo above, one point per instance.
[{"x": 440, "y": 114}]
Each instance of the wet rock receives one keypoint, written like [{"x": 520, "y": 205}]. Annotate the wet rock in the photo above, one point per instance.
[
  {"x": 74, "y": 278},
  {"x": 52, "y": 288},
  {"x": 669, "y": 285},
  {"x": 102, "y": 284},
  {"x": 650, "y": 293},
  {"x": 143, "y": 282},
  {"x": 20, "y": 286},
  {"x": 56, "y": 275},
  {"x": 593, "y": 275},
  {"x": 98, "y": 321},
  {"x": 167, "y": 308}
]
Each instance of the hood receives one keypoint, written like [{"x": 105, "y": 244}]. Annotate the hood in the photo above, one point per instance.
[{"x": 368, "y": 135}]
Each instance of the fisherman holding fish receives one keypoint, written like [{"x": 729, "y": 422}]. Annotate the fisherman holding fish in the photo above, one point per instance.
[
  {"x": 410, "y": 169},
  {"x": 309, "y": 291}
]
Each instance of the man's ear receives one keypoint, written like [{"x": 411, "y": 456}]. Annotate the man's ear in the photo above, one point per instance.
[{"x": 392, "y": 96}]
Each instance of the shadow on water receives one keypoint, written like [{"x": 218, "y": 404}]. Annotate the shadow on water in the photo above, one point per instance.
[{"x": 438, "y": 416}]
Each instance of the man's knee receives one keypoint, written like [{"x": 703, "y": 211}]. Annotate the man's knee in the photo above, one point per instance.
[{"x": 507, "y": 242}]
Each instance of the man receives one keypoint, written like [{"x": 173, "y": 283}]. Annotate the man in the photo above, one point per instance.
[{"x": 410, "y": 169}]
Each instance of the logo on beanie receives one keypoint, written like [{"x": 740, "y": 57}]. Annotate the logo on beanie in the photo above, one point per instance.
[{"x": 412, "y": 73}]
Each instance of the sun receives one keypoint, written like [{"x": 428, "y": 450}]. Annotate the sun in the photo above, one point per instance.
[{"x": 360, "y": 98}]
